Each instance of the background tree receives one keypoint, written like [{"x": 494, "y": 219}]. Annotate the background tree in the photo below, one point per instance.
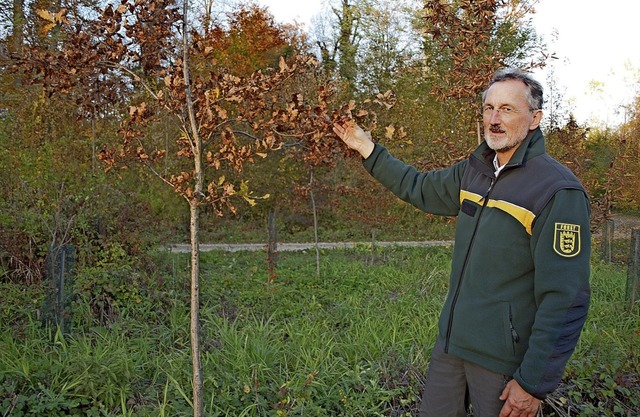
[
  {"x": 249, "y": 40},
  {"x": 388, "y": 45},
  {"x": 467, "y": 41},
  {"x": 348, "y": 16},
  {"x": 13, "y": 14},
  {"x": 630, "y": 141},
  {"x": 338, "y": 37},
  {"x": 557, "y": 111}
]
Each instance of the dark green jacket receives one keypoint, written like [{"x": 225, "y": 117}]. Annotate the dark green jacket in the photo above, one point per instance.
[{"x": 519, "y": 287}]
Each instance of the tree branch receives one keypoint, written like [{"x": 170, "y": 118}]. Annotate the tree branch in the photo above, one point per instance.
[{"x": 136, "y": 77}]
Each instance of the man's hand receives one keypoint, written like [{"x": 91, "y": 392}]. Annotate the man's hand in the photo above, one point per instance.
[
  {"x": 355, "y": 138},
  {"x": 518, "y": 402}
]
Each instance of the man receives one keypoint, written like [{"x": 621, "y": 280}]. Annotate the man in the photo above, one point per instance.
[{"x": 519, "y": 286}]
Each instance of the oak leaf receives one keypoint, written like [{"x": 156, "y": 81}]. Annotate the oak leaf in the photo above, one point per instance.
[{"x": 46, "y": 15}]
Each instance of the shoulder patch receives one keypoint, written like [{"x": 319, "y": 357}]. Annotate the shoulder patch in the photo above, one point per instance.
[{"x": 566, "y": 240}]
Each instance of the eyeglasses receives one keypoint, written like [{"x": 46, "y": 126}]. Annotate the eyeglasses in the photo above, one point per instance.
[{"x": 503, "y": 110}]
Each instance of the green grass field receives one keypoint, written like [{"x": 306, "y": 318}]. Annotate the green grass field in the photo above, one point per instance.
[{"x": 353, "y": 341}]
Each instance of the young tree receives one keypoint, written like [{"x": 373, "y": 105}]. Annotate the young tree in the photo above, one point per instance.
[
  {"x": 225, "y": 120},
  {"x": 316, "y": 151}
]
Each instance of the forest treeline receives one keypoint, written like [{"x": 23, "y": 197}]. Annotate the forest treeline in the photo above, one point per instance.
[{"x": 95, "y": 134}]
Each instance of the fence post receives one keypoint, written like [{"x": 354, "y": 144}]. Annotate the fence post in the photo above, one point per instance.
[
  {"x": 607, "y": 240},
  {"x": 272, "y": 246},
  {"x": 633, "y": 270},
  {"x": 57, "y": 303}
]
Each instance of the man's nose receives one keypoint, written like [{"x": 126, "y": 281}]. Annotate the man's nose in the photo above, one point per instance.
[{"x": 494, "y": 117}]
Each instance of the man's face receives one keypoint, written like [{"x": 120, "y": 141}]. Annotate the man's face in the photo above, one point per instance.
[{"x": 506, "y": 116}]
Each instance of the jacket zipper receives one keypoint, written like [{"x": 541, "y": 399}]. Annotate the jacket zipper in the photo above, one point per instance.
[{"x": 464, "y": 266}]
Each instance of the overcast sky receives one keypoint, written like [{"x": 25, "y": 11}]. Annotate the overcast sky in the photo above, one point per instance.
[{"x": 599, "y": 54}]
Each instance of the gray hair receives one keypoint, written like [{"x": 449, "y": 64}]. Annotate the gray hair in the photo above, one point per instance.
[{"x": 535, "y": 96}]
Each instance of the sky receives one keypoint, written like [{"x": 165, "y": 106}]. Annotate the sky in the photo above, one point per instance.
[{"x": 596, "y": 43}]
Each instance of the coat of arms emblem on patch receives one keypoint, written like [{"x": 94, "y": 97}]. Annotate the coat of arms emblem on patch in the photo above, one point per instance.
[{"x": 566, "y": 239}]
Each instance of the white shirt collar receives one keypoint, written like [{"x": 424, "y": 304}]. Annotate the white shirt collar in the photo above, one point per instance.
[{"x": 496, "y": 165}]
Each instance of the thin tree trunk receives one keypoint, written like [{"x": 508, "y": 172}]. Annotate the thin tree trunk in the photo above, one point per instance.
[
  {"x": 194, "y": 205},
  {"x": 198, "y": 407},
  {"x": 16, "y": 38}
]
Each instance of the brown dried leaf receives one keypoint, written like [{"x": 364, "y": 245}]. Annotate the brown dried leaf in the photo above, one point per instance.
[
  {"x": 47, "y": 28},
  {"x": 46, "y": 15},
  {"x": 389, "y": 131},
  {"x": 61, "y": 16},
  {"x": 283, "y": 65}
]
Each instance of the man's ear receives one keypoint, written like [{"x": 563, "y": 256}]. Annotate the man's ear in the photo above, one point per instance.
[{"x": 537, "y": 117}]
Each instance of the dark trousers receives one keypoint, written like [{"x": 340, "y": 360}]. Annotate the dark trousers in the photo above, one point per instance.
[{"x": 452, "y": 383}]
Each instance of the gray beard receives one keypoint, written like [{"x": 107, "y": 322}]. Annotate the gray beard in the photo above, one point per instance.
[{"x": 505, "y": 148}]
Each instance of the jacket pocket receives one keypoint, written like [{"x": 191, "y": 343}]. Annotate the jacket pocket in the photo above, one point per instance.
[
  {"x": 469, "y": 208},
  {"x": 511, "y": 336}
]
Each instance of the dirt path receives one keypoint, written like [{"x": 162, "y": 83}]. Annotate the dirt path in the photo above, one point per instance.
[
  {"x": 287, "y": 247},
  {"x": 622, "y": 230}
]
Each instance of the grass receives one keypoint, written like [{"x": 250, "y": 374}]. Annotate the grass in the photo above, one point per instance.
[{"x": 354, "y": 341}]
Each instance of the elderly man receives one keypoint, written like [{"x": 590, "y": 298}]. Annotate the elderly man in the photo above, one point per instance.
[{"x": 519, "y": 286}]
